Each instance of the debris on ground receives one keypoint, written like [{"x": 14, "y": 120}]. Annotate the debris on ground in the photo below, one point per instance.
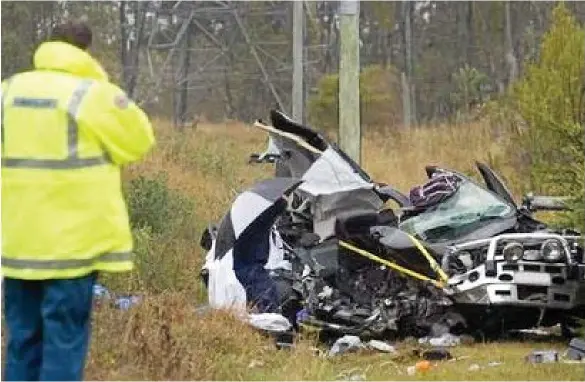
[
  {"x": 576, "y": 351},
  {"x": 101, "y": 293},
  {"x": 270, "y": 322},
  {"x": 543, "y": 356},
  {"x": 423, "y": 366},
  {"x": 438, "y": 354},
  {"x": 381, "y": 346},
  {"x": 420, "y": 366},
  {"x": 349, "y": 343},
  {"x": 346, "y": 344},
  {"x": 534, "y": 332},
  {"x": 125, "y": 303},
  {"x": 445, "y": 340}
]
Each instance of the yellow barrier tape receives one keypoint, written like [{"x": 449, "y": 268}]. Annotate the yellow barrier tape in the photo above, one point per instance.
[
  {"x": 434, "y": 265},
  {"x": 390, "y": 264}
]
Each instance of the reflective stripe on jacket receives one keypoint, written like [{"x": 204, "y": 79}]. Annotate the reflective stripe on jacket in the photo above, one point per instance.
[{"x": 65, "y": 133}]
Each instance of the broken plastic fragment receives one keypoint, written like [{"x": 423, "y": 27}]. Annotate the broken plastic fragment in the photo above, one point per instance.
[
  {"x": 381, "y": 346},
  {"x": 346, "y": 344},
  {"x": 546, "y": 356},
  {"x": 270, "y": 322},
  {"x": 445, "y": 340}
]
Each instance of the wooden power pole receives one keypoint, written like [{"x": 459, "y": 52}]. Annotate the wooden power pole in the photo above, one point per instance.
[
  {"x": 298, "y": 78},
  {"x": 349, "y": 81},
  {"x": 408, "y": 103}
]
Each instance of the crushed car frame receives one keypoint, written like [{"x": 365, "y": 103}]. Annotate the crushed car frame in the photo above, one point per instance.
[{"x": 465, "y": 259}]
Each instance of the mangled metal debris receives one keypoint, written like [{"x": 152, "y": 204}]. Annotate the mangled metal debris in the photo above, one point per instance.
[
  {"x": 543, "y": 356},
  {"x": 445, "y": 340},
  {"x": 576, "y": 351},
  {"x": 455, "y": 257},
  {"x": 348, "y": 344}
]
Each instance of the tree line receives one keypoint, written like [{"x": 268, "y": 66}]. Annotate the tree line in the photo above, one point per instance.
[{"x": 233, "y": 59}]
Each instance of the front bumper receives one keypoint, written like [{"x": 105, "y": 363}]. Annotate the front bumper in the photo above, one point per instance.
[
  {"x": 520, "y": 288},
  {"x": 524, "y": 283}
]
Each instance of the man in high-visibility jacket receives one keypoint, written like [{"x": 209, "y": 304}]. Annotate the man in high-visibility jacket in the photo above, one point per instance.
[{"x": 66, "y": 131}]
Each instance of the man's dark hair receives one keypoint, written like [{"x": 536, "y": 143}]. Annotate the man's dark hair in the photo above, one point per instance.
[{"x": 76, "y": 33}]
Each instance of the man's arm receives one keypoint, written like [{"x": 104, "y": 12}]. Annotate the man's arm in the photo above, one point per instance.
[{"x": 117, "y": 122}]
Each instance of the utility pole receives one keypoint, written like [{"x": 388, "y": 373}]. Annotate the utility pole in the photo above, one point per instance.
[
  {"x": 298, "y": 78},
  {"x": 350, "y": 135},
  {"x": 408, "y": 100}
]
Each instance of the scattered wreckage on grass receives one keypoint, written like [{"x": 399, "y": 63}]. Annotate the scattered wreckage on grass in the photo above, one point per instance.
[{"x": 318, "y": 245}]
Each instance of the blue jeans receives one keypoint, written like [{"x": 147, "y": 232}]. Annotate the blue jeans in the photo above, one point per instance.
[{"x": 49, "y": 325}]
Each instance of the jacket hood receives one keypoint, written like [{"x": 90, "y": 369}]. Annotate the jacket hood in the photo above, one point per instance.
[{"x": 65, "y": 57}]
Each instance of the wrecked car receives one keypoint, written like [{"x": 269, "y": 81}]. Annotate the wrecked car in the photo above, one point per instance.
[
  {"x": 466, "y": 259},
  {"x": 504, "y": 265}
]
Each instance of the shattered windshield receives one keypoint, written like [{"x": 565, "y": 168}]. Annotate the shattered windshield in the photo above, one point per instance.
[{"x": 458, "y": 215}]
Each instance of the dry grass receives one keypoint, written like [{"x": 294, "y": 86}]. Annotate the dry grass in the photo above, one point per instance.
[{"x": 163, "y": 338}]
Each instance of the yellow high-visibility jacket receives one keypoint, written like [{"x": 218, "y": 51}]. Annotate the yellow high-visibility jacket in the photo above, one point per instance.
[{"x": 66, "y": 131}]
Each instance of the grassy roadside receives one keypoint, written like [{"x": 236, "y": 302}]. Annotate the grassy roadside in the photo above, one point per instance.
[{"x": 164, "y": 339}]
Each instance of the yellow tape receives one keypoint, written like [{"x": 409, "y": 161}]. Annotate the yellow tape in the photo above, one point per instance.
[
  {"x": 434, "y": 265},
  {"x": 390, "y": 264}
]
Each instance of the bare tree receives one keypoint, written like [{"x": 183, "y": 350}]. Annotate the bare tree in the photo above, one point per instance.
[{"x": 132, "y": 29}]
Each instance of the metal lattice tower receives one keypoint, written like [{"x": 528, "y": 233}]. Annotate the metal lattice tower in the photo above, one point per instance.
[{"x": 195, "y": 46}]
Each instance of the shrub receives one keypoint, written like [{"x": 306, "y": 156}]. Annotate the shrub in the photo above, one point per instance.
[
  {"x": 163, "y": 228},
  {"x": 153, "y": 205},
  {"x": 380, "y": 103},
  {"x": 551, "y": 101},
  {"x": 163, "y": 263},
  {"x": 472, "y": 90}
]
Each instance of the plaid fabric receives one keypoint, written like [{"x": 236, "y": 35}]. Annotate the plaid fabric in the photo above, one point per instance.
[{"x": 441, "y": 186}]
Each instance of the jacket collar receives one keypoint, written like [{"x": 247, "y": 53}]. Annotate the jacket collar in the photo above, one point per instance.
[{"x": 65, "y": 57}]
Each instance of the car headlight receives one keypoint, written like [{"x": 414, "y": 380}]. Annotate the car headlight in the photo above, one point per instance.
[
  {"x": 513, "y": 252},
  {"x": 552, "y": 250},
  {"x": 532, "y": 255}
]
